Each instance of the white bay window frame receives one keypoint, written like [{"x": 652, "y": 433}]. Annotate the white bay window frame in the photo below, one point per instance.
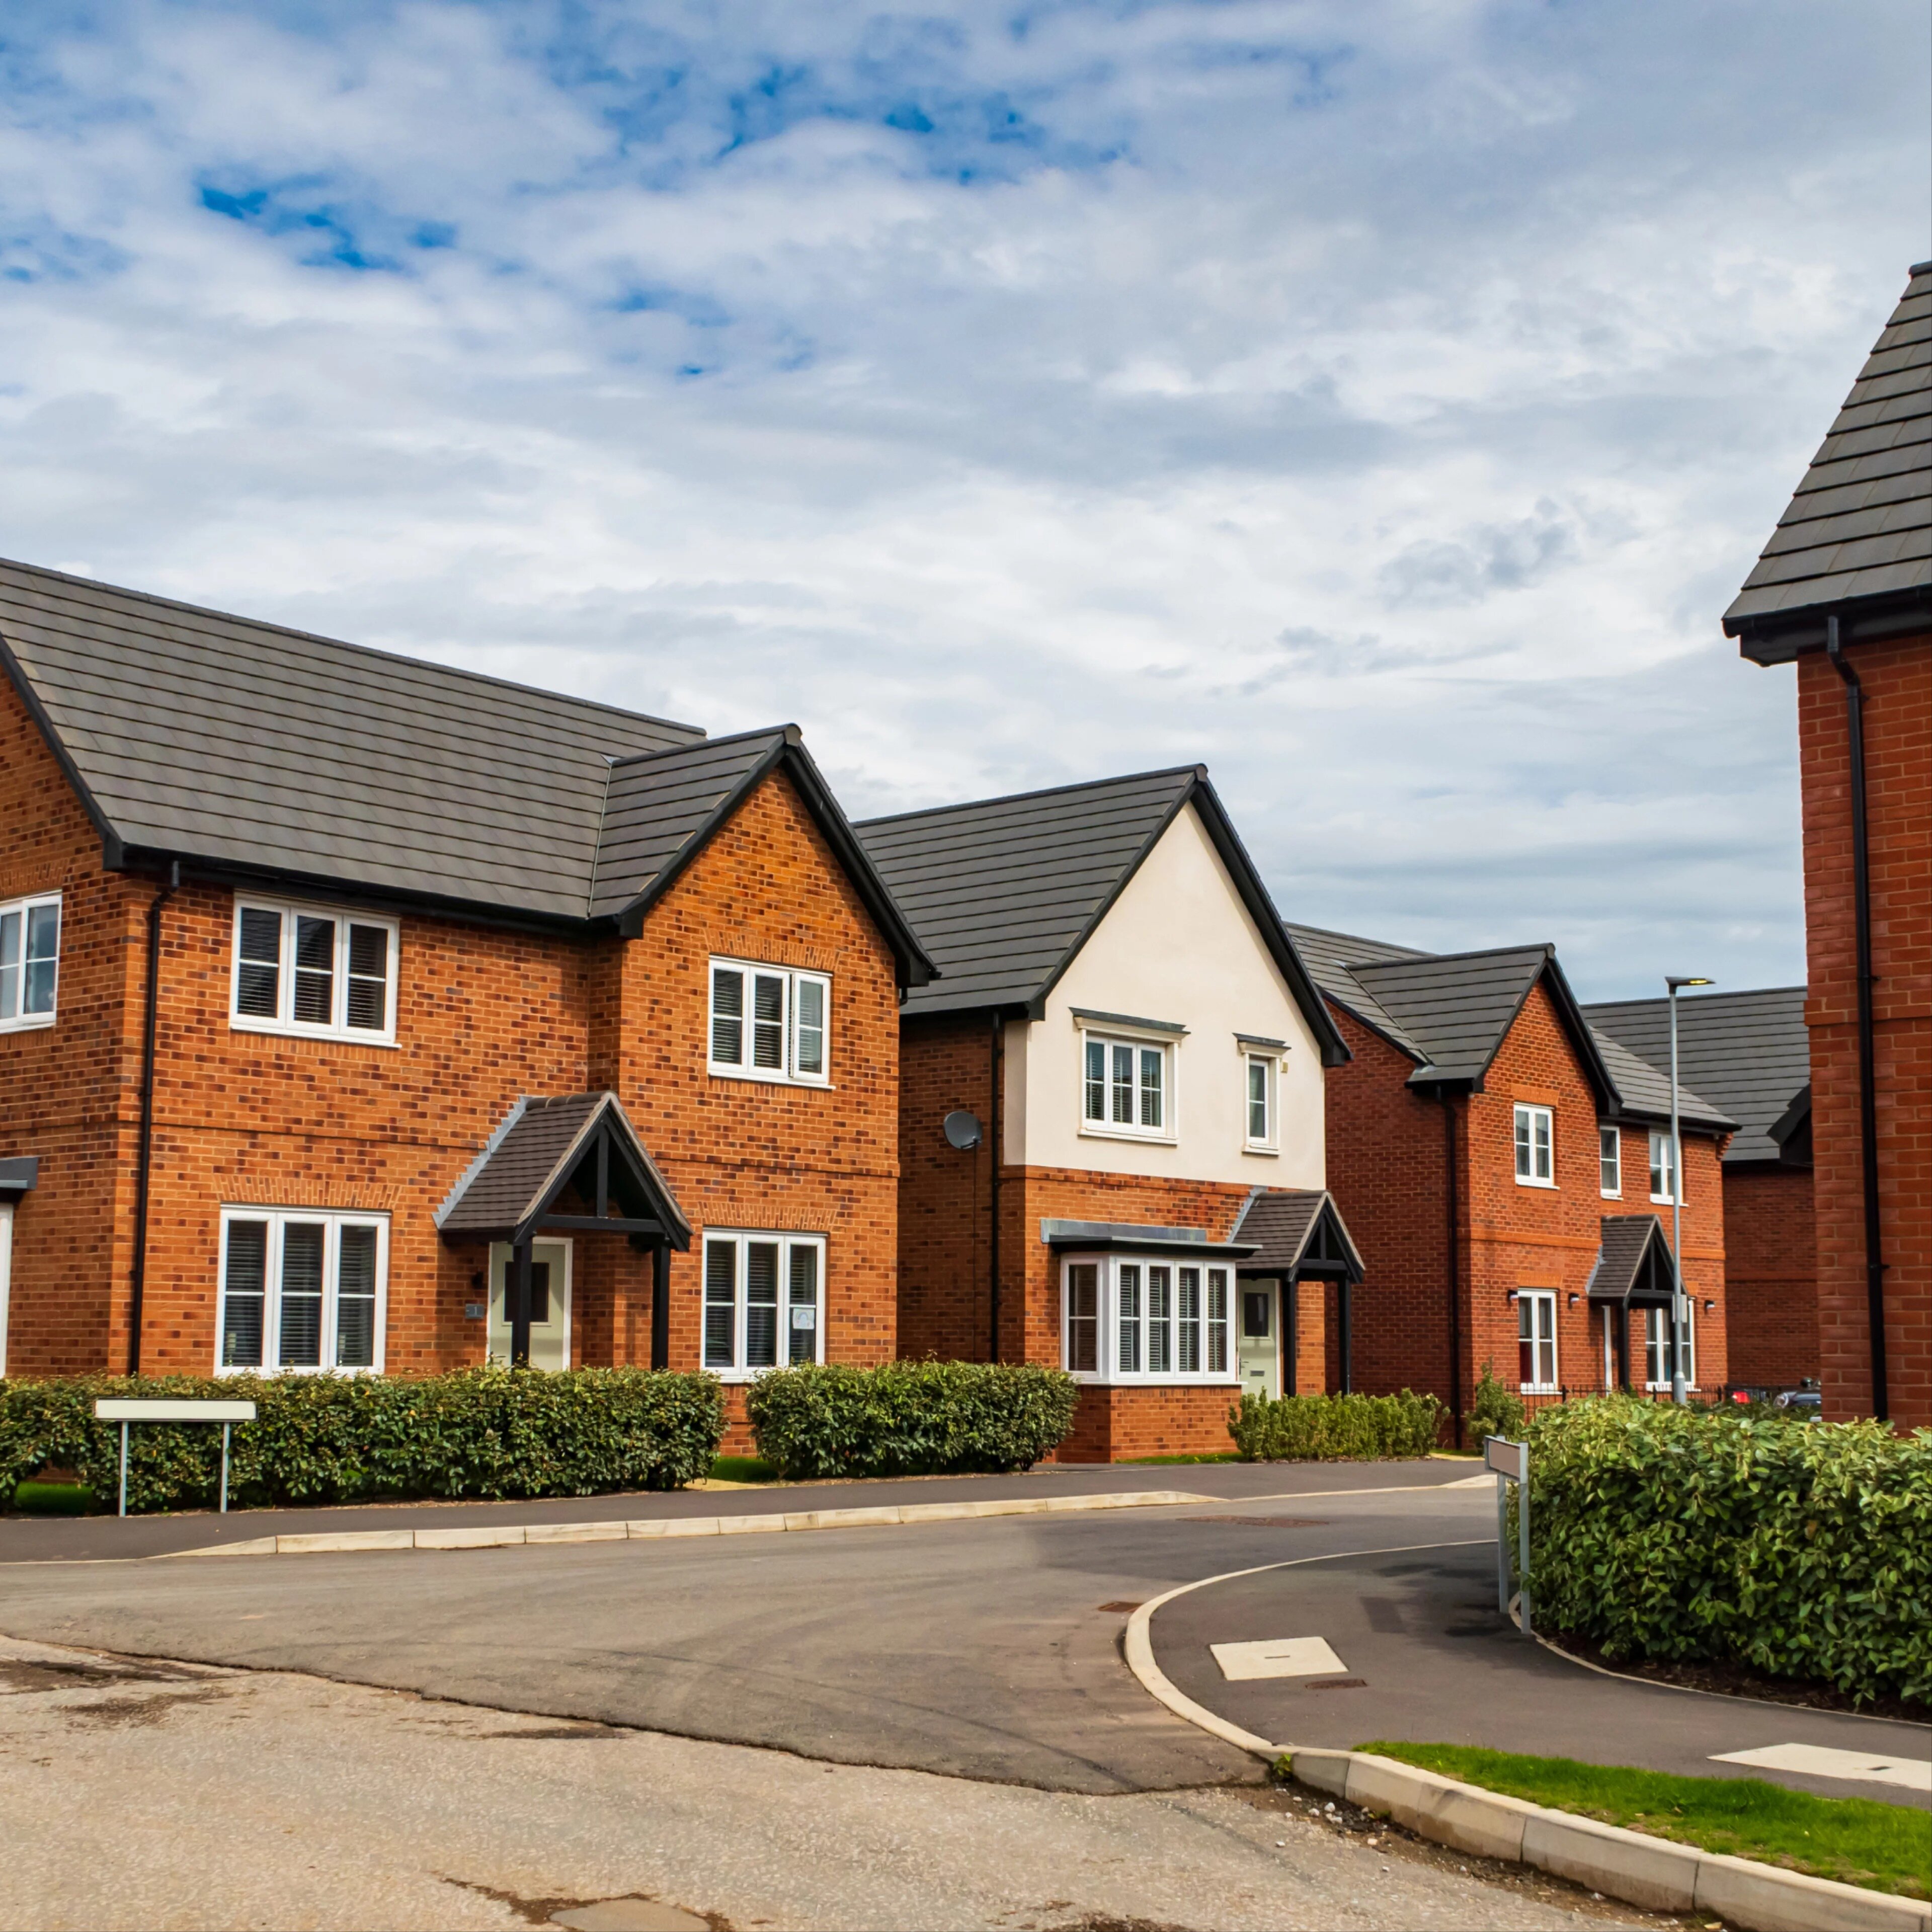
[
  {"x": 1135, "y": 1321},
  {"x": 1129, "y": 1087},
  {"x": 768, "y": 1023},
  {"x": 762, "y": 1301},
  {"x": 313, "y": 971},
  {"x": 286, "y": 1272}
]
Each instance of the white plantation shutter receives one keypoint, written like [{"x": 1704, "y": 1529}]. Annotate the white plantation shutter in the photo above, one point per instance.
[
  {"x": 258, "y": 975},
  {"x": 809, "y": 999},
  {"x": 315, "y": 970},
  {"x": 369, "y": 977},
  {"x": 245, "y": 1284},
  {"x": 768, "y": 1021},
  {"x": 720, "y": 1304},
  {"x": 727, "y": 1016},
  {"x": 801, "y": 1315}
]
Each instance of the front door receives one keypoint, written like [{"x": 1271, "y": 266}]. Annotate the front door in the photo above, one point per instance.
[
  {"x": 550, "y": 1304},
  {"x": 1261, "y": 1338}
]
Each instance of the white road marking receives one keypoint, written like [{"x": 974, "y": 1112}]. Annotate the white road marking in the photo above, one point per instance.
[
  {"x": 1815, "y": 1761},
  {"x": 1279, "y": 1657}
]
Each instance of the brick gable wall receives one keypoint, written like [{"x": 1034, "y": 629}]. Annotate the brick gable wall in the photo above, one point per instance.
[
  {"x": 1898, "y": 681},
  {"x": 1771, "y": 1273}
]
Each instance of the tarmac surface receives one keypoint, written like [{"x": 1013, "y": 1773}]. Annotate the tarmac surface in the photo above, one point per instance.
[{"x": 1427, "y": 1657}]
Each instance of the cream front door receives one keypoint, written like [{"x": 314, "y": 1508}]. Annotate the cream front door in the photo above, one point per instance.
[
  {"x": 550, "y": 1304},
  {"x": 1261, "y": 1338}
]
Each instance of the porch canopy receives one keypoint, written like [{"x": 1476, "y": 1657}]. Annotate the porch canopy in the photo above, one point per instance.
[
  {"x": 1633, "y": 1270},
  {"x": 581, "y": 1144},
  {"x": 1299, "y": 1235}
]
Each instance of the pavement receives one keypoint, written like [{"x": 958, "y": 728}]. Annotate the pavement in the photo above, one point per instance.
[
  {"x": 1424, "y": 1655},
  {"x": 40, "y": 1539},
  {"x": 169, "y": 1796}
]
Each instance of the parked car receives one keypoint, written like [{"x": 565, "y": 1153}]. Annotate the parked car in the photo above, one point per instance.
[{"x": 1807, "y": 1403}]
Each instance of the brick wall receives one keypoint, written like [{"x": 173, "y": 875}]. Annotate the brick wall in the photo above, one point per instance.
[
  {"x": 1898, "y": 681},
  {"x": 1771, "y": 1273}
]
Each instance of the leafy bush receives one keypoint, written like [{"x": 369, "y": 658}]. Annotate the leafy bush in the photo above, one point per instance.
[
  {"x": 1801, "y": 1548},
  {"x": 489, "y": 1431},
  {"x": 1335, "y": 1428},
  {"x": 910, "y": 1418},
  {"x": 1496, "y": 1411}
]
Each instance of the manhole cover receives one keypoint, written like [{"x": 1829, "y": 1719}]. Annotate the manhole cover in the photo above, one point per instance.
[{"x": 1267, "y": 1521}]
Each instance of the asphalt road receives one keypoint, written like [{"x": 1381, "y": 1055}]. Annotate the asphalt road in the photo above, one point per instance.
[{"x": 1428, "y": 1658}]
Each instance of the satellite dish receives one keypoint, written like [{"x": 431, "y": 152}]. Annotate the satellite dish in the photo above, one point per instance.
[{"x": 963, "y": 1130}]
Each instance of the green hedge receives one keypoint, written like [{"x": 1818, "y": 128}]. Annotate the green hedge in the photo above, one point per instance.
[
  {"x": 1801, "y": 1548},
  {"x": 1335, "y": 1428},
  {"x": 353, "y": 1439},
  {"x": 910, "y": 1418}
]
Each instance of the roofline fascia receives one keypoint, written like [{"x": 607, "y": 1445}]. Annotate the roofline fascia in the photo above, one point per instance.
[
  {"x": 1783, "y": 637},
  {"x": 1381, "y": 1032},
  {"x": 113, "y": 852},
  {"x": 915, "y": 964}
]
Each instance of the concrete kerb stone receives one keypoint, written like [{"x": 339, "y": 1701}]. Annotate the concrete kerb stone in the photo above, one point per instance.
[
  {"x": 1628, "y": 1865},
  {"x": 491, "y": 1536}
]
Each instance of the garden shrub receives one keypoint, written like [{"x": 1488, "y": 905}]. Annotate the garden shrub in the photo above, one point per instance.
[
  {"x": 910, "y": 1418},
  {"x": 487, "y": 1433},
  {"x": 1497, "y": 1410},
  {"x": 1803, "y": 1550},
  {"x": 1335, "y": 1428}
]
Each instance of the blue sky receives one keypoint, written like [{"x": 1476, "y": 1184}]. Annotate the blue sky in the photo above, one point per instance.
[{"x": 1377, "y": 402}]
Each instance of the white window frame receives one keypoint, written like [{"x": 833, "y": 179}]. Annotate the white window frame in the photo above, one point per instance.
[
  {"x": 738, "y": 1368},
  {"x": 1531, "y": 1114},
  {"x": 1610, "y": 1162},
  {"x": 1111, "y": 1041},
  {"x": 1133, "y": 1291},
  {"x": 1657, "y": 1333},
  {"x": 1268, "y": 1065},
  {"x": 790, "y": 1022},
  {"x": 284, "y": 1022},
  {"x": 20, "y": 1020},
  {"x": 1535, "y": 1302},
  {"x": 333, "y": 1220},
  {"x": 1661, "y": 1162}
]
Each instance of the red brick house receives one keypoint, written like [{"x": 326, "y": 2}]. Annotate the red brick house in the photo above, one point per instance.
[
  {"x": 1506, "y": 1169},
  {"x": 374, "y": 1015},
  {"x": 1844, "y": 590},
  {"x": 1111, "y": 1116},
  {"x": 1747, "y": 1053}
]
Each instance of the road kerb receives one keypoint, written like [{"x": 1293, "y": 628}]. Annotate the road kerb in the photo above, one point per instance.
[
  {"x": 489, "y": 1536},
  {"x": 1627, "y": 1865}
]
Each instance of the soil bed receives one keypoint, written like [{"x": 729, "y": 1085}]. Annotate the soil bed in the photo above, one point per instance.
[{"x": 1739, "y": 1680}]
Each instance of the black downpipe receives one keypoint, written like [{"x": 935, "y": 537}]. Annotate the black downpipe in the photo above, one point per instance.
[
  {"x": 1455, "y": 1285},
  {"x": 1854, "y": 727},
  {"x": 145, "y": 1157},
  {"x": 996, "y": 1064}
]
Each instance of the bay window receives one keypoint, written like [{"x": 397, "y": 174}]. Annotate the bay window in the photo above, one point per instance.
[{"x": 1126, "y": 1319}]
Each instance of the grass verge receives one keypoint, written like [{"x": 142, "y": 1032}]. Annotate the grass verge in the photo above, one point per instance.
[
  {"x": 1856, "y": 1841},
  {"x": 1218, "y": 1456},
  {"x": 53, "y": 1499},
  {"x": 743, "y": 1469}
]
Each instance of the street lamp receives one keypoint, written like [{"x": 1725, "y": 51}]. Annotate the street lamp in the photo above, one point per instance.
[{"x": 1679, "y": 1311}]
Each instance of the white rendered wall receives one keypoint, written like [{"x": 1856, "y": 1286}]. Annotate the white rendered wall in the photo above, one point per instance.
[{"x": 1176, "y": 946}]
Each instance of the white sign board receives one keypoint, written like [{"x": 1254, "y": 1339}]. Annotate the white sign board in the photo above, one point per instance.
[
  {"x": 1506, "y": 1458},
  {"x": 112, "y": 1409}
]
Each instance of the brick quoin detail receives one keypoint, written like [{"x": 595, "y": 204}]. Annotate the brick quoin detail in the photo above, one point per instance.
[
  {"x": 1387, "y": 1169},
  {"x": 1898, "y": 681},
  {"x": 485, "y": 1014}
]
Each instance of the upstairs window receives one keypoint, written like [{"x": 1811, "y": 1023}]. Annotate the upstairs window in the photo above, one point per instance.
[
  {"x": 307, "y": 969},
  {"x": 1610, "y": 1162},
  {"x": 769, "y": 1023},
  {"x": 1535, "y": 1150},
  {"x": 29, "y": 961},
  {"x": 1126, "y": 1087},
  {"x": 1663, "y": 1177},
  {"x": 1260, "y": 1071}
]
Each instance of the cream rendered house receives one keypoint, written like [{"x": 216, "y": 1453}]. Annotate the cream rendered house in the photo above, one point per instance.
[{"x": 1122, "y": 1014}]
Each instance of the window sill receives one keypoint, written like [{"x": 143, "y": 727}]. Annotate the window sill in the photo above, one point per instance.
[
  {"x": 223, "y": 1373},
  {"x": 29, "y": 1023},
  {"x": 1089, "y": 1131},
  {"x": 1664, "y": 1200},
  {"x": 744, "y": 1378},
  {"x": 1604, "y": 1194},
  {"x": 1092, "y": 1378},
  {"x": 331, "y": 1036},
  {"x": 1524, "y": 1180},
  {"x": 760, "y": 1078},
  {"x": 1266, "y": 1152}
]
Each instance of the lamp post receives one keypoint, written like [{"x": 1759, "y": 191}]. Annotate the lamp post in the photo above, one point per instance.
[{"x": 1680, "y": 1392}]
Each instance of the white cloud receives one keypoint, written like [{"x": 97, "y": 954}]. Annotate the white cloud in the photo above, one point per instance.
[{"x": 1379, "y": 404}]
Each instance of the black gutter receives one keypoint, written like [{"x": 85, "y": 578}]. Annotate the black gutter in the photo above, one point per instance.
[
  {"x": 996, "y": 1063},
  {"x": 1854, "y": 727},
  {"x": 144, "y": 1171},
  {"x": 1455, "y": 1284}
]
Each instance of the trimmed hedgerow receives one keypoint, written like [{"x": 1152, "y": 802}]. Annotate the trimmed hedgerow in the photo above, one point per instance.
[
  {"x": 910, "y": 1418},
  {"x": 488, "y": 1432},
  {"x": 1335, "y": 1428},
  {"x": 1801, "y": 1548}
]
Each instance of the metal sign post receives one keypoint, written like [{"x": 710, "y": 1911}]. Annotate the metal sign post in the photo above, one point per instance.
[
  {"x": 1510, "y": 1462},
  {"x": 126, "y": 1410}
]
